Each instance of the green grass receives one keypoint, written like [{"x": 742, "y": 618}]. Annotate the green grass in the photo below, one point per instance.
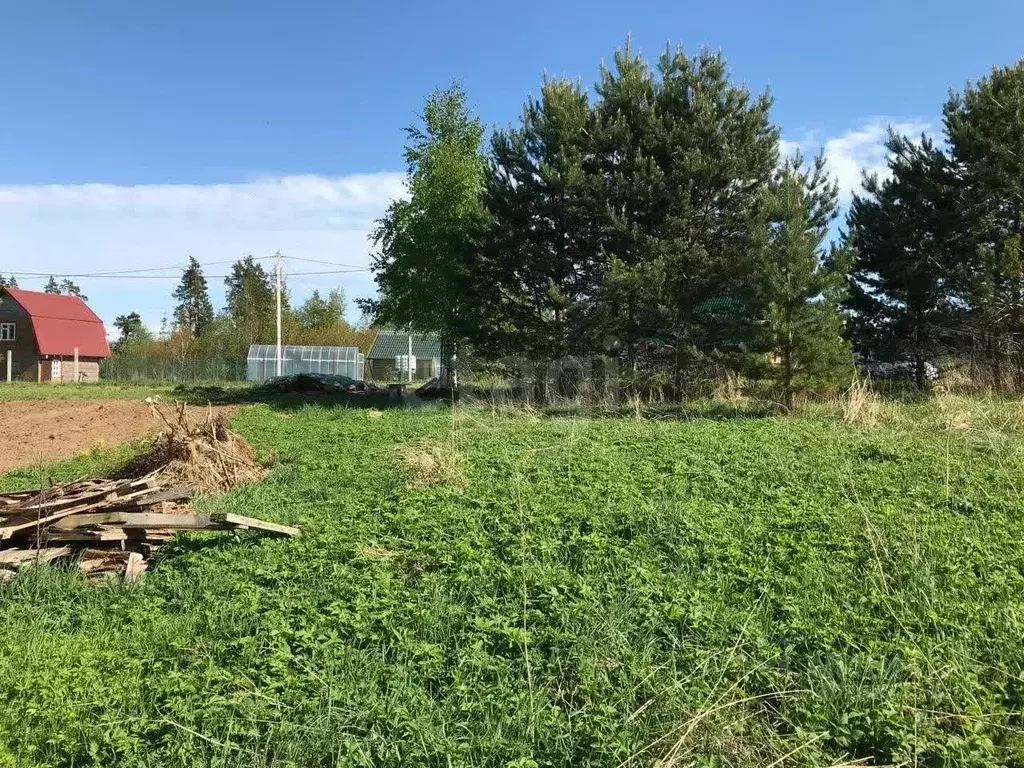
[{"x": 572, "y": 592}]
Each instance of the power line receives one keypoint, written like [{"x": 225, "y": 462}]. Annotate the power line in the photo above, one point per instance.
[
  {"x": 136, "y": 274},
  {"x": 125, "y": 276},
  {"x": 119, "y": 272},
  {"x": 319, "y": 261}
]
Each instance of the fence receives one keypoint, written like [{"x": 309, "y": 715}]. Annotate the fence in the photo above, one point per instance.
[{"x": 173, "y": 369}]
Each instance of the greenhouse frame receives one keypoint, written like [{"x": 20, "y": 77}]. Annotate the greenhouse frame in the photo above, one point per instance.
[{"x": 261, "y": 363}]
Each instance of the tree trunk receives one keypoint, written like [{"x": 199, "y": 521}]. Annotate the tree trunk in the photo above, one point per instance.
[{"x": 787, "y": 374}]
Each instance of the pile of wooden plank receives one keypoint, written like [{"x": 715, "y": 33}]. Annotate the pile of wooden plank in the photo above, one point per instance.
[{"x": 104, "y": 526}]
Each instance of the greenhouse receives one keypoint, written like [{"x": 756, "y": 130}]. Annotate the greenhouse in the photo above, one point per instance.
[{"x": 261, "y": 363}]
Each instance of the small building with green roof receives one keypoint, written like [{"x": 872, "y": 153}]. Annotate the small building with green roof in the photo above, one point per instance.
[{"x": 394, "y": 354}]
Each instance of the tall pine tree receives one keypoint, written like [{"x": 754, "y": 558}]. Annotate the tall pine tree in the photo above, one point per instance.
[
  {"x": 629, "y": 217},
  {"x": 65, "y": 286},
  {"x": 688, "y": 155},
  {"x": 985, "y": 131},
  {"x": 194, "y": 311},
  {"x": 902, "y": 298},
  {"x": 544, "y": 245},
  {"x": 251, "y": 303},
  {"x": 803, "y": 279}
]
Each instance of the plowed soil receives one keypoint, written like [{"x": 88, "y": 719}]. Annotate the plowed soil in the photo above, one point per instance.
[{"x": 37, "y": 431}]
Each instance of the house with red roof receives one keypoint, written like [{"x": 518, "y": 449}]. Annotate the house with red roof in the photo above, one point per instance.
[{"x": 49, "y": 337}]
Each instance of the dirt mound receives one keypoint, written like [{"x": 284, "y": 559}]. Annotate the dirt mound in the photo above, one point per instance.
[{"x": 204, "y": 455}]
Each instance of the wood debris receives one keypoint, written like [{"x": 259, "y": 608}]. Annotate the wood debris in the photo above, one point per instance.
[
  {"x": 114, "y": 526},
  {"x": 107, "y": 526}
]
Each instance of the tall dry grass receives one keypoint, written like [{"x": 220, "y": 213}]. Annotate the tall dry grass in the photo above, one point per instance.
[{"x": 861, "y": 404}]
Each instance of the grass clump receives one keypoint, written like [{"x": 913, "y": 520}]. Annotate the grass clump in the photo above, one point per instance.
[
  {"x": 861, "y": 404},
  {"x": 433, "y": 463}
]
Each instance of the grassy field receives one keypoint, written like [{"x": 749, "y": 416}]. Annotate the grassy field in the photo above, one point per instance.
[{"x": 500, "y": 588}]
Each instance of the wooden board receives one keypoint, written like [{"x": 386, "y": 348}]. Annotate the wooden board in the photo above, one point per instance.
[
  {"x": 46, "y": 554},
  {"x": 137, "y": 520},
  {"x": 251, "y": 522},
  {"x": 10, "y": 529},
  {"x": 100, "y": 534}
]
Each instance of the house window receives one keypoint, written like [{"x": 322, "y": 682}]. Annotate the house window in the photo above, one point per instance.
[
  {"x": 7, "y": 331},
  {"x": 55, "y": 369}
]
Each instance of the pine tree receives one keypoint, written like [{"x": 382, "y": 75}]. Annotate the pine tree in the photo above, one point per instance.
[
  {"x": 804, "y": 280},
  {"x": 71, "y": 289},
  {"x": 902, "y": 291},
  {"x": 8, "y": 282},
  {"x": 985, "y": 131},
  {"x": 132, "y": 329},
  {"x": 687, "y": 155},
  {"x": 251, "y": 304},
  {"x": 65, "y": 286},
  {"x": 625, "y": 217},
  {"x": 544, "y": 245},
  {"x": 194, "y": 311}
]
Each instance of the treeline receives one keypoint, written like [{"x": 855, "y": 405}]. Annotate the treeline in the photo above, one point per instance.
[
  {"x": 249, "y": 317},
  {"x": 656, "y": 220},
  {"x": 65, "y": 286}
]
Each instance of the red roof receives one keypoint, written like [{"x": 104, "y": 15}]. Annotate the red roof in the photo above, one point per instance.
[{"x": 61, "y": 323}]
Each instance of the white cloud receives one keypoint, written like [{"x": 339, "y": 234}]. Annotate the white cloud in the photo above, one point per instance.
[
  {"x": 84, "y": 228},
  {"x": 857, "y": 150}
]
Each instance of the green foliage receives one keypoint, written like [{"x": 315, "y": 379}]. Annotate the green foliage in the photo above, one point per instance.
[
  {"x": 619, "y": 218},
  {"x": 8, "y": 282},
  {"x": 65, "y": 286},
  {"x": 902, "y": 232},
  {"x": 596, "y": 592},
  {"x": 803, "y": 280},
  {"x": 194, "y": 311},
  {"x": 133, "y": 332},
  {"x": 250, "y": 306},
  {"x": 985, "y": 130},
  {"x": 429, "y": 268},
  {"x": 542, "y": 204},
  {"x": 319, "y": 312}
]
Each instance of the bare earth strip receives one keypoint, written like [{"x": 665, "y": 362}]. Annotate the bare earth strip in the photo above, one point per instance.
[{"x": 38, "y": 431}]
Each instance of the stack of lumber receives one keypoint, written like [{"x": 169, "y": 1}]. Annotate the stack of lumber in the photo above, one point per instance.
[{"x": 105, "y": 526}]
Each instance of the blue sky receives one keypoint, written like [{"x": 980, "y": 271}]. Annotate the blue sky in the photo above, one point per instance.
[{"x": 134, "y": 133}]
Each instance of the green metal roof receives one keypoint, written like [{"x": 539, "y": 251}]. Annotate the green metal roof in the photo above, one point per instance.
[
  {"x": 719, "y": 306},
  {"x": 389, "y": 344}
]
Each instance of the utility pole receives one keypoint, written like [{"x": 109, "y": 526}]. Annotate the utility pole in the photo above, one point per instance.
[
  {"x": 408, "y": 359},
  {"x": 278, "y": 270}
]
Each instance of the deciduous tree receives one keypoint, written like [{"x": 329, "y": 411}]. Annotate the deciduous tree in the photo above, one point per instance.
[{"x": 429, "y": 266}]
